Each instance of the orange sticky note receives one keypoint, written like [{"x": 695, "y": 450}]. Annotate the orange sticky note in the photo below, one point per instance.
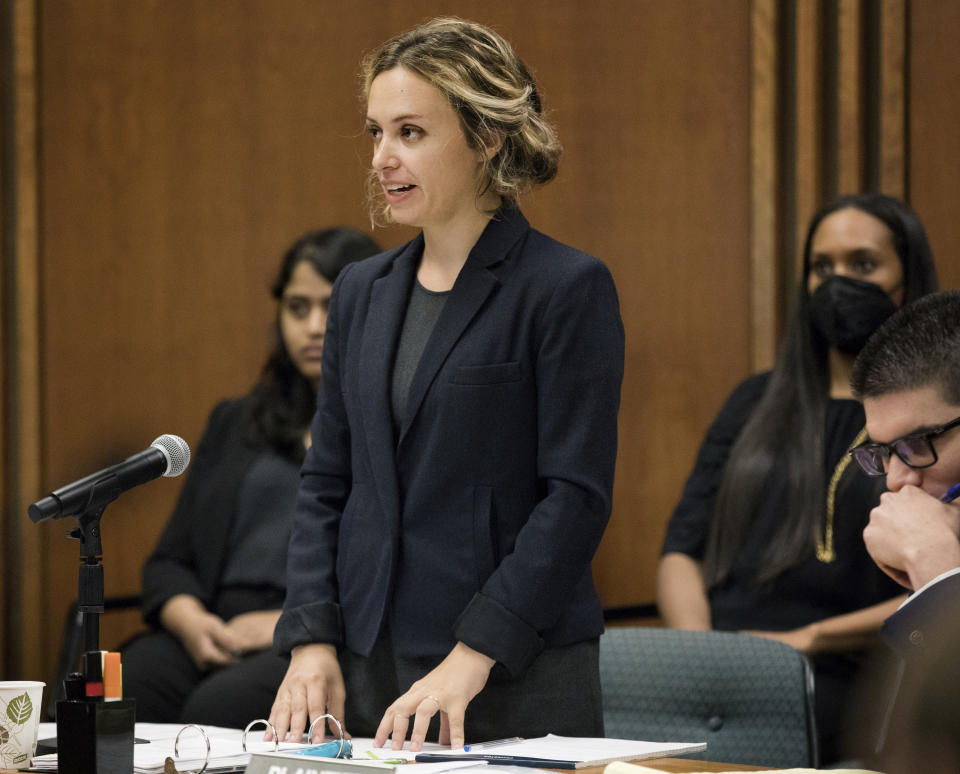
[{"x": 112, "y": 676}]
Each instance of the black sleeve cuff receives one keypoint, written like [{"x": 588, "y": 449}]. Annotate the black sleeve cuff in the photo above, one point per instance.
[
  {"x": 488, "y": 627},
  {"x": 316, "y": 622},
  {"x": 155, "y": 595}
]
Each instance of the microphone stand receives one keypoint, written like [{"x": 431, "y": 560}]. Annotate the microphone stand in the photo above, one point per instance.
[
  {"x": 90, "y": 590},
  {"x": 94, "y": 737}
]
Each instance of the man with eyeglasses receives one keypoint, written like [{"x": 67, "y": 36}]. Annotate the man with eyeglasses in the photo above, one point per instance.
[{"x": 908, "y": 378}]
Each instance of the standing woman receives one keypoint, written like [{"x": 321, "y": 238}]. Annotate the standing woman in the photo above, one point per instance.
[
  {"x": 461, "y": 471},
  {"x": 767, "y": 537}
]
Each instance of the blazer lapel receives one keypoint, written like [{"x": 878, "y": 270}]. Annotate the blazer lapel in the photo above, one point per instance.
[
  {"x": 474, "y": 284},
  {"x": 388, "y": 304}
]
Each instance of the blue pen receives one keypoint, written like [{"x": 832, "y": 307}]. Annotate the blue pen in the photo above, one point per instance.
[
  {"x": 493, "y": 743},
  {"x": 952, "y": 494}
]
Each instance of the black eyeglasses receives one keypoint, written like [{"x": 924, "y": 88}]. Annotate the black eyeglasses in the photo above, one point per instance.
[{"x": 914, "y": 451}]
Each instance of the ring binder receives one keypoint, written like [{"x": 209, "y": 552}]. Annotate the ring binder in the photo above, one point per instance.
[
  {"x": 344, "y": 750},
  {"x": 276, "y": 741},
  {"x": 268, "y": 724},
  {"x": 176, "y": 750},
  {"x": 339, "y": 731}
]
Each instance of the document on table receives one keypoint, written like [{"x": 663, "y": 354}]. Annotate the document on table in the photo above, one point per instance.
[
  {"x": 628, "y": 768},
  {"x": 366, "y": 758},
  {"x": 567, "y": 752}
]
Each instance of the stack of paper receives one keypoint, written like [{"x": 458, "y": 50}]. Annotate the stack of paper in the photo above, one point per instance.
[
  {"x": 568, "y": 752},
  {"x": 628, "y": 768},
  {"x": 226, "y": 752},
  {"x": 367, "y": 759},
  {"x": 548, "y": 752}
]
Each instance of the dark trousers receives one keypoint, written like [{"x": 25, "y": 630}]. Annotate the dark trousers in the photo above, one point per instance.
[
  {"x": 558, "y": 694},
  {"x": 169, "y": 688}
]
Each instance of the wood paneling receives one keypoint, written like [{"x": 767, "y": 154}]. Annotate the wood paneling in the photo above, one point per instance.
[
  {"x": 809, "y": 112},
  {"x": 850, "y": 86},
  {"x": 842, "y": 86},
  {"x": 184, "y": 143},
  {"x": 658, "y": 174},
  {"x": 765, "y": 181},
  {"x": 25, "y": 589},
  {"x": 893, "y": 100},
  {"x": 933, "y": 118},
  {"x": 7, "y": 594}
]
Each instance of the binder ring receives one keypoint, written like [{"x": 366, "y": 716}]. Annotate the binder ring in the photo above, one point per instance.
[
  {"x": 206, "y": 739},
  {"x": 268, "y": 724},
  {"x": 336, "y": 722}
]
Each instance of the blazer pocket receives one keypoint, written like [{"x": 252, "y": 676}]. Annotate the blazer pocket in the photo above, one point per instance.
[{"x": 495, "y": 373}]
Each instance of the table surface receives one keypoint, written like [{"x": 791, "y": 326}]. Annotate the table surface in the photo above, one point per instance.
[
  {"x": 682, "y": 766},
  {"x": 676, "y": 765}
]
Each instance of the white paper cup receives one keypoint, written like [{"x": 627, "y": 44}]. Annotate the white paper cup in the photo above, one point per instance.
[{"x": 21, "y": 704}]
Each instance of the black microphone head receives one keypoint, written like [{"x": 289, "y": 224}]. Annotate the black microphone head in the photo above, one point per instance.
[{"x": 176, "y": 451}]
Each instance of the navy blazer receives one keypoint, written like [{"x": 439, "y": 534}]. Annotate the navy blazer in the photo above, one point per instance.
[
  {"x": 915, "y": 627},
  {"x": 478, "y": 523}
]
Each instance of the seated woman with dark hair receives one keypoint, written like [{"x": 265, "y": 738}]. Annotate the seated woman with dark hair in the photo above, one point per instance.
[
  {"x": 768, "y": 536},
  {"x": 214, "y": 585}
]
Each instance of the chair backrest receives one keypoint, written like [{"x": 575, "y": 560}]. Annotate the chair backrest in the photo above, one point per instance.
[{"x": 750, "y": 699}]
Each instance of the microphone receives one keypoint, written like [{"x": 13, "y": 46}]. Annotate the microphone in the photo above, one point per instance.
[{"x": 167, "y": 456}]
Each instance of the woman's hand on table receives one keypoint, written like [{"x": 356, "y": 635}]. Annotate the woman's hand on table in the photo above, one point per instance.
[
  {"x": 447, "y": 689},
  {"x": 313, "y": 686}
]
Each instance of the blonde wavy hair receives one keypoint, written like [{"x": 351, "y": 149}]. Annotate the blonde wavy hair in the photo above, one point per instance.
[{"x": 491, "y": 91}]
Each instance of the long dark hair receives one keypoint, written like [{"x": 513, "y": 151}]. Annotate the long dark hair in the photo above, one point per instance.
[
  {"x": 283, "y": 401},
  {"x": 787, "y": 427}
]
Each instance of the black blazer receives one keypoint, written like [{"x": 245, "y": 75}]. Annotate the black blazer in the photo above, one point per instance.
[
  {"x": 191, "y": 552},
  {"x": 478, "y": 523}
]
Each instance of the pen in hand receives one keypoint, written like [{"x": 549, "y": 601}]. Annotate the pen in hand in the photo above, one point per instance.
[{"x": 952, "y": 494}]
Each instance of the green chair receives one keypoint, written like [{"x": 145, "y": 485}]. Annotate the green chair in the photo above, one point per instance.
[{"x": 749, "y": 699}]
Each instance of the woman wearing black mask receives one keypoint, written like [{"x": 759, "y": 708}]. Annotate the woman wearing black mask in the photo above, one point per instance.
[{"x": 767, "y": 535}]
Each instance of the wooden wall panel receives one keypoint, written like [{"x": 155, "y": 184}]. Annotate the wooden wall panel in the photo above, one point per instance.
[
  {"x": 660, "y": 178},
  {"x": 850, "y": 99},
  {"x": 892, "y": 160},
  {"x": 24, "y": 588},
  {"x": 809, "y": 112},
  {"x": 184, "y": 143},
  {"x": 841, "y": 89},
  {"x": 933, "y": 117},
  {"x": 765, "y": 181},
  {"x": 7, "y": 594}
]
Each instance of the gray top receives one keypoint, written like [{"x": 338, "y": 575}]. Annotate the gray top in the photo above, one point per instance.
[
  {"x": 423, "y": 311},
  {"x": 257, "y": 548}
]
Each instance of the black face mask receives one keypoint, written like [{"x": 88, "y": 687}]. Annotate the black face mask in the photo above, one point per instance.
[{"x": 846, "y": 311}]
